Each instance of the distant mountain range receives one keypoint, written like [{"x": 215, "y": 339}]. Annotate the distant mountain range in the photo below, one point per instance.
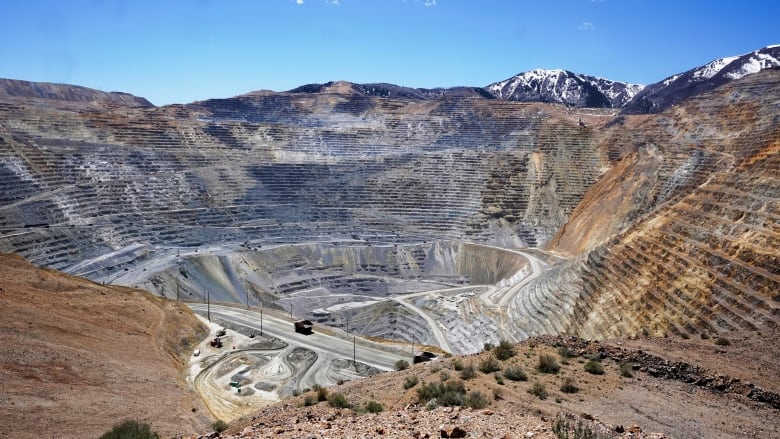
[
  {"x": 661, "y": 95},
  {"x": 564, "y": 87},
  {"x": 540, "y": 85},
  {"x": 65, "y": 92}
]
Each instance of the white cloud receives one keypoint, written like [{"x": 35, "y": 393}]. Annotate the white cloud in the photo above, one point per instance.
[
  {"x": 300, "y": 2},
  {"x": 332, "y": 2},
  {"x": 429, "y": 3},
  {"x": 586, "y": 26}
]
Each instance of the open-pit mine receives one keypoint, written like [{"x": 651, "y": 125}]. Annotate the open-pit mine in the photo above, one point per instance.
[{"x": 450, "y": 221}]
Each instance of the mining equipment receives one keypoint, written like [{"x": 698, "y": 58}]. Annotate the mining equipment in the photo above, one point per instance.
[{"x": 303, "y": 326}]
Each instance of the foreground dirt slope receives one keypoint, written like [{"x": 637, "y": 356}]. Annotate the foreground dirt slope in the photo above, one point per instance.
[
  {"x": 672, "y": 388},
  {"x": 77, "y": 357}
]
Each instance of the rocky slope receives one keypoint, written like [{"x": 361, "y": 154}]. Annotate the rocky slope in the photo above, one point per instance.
[
  {"x": 645, "y": 391},
  {"x": 65, "y": 92},
  {"x": 76, "y": 357}
]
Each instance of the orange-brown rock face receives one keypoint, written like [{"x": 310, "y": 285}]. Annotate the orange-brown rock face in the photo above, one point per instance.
[{"x": 700, "y": 255}]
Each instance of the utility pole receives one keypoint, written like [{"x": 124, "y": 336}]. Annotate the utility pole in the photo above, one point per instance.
[
  {"x": 291, "y": 317},
  {"x": 354, "y": 352},
  {"x": 208, "y": 305},
  {"x": 261, "y": 320},
  {"x": 177, "y": 289}
]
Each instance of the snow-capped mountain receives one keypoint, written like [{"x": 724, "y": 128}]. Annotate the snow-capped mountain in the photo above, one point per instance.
[
  {"x": 565, "y": 87},
  {"x": 661, "y": 95}
]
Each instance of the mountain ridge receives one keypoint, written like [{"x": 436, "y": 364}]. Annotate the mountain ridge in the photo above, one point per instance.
[{"x": 558, "y": 86}]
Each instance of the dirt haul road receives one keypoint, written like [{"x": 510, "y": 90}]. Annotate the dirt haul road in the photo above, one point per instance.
[{"x": 267, "y": 375}]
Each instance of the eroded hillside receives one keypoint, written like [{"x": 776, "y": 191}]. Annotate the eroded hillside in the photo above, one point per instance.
[{"x": 77, "y": 357}]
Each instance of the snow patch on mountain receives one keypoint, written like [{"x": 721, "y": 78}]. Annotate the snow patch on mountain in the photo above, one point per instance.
[
  {"x": 755, "y": 63},
  {"x": 565, "y": 87}
]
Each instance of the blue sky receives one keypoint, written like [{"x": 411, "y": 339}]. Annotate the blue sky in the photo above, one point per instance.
[{"x": 182, "y": 51}]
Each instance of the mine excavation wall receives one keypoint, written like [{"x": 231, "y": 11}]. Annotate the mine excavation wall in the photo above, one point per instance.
[
  {"x": 697, "y": 252},
  {"x": 667, "y": 222},
  {"x": 80, "y": 181},
  {"x": 266, "y": 276}
]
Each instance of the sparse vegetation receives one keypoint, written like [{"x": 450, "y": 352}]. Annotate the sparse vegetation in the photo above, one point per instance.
[
  {"x": 568, "y": 386},
  {"x": 626, "y": 370},
  {"x": 487, "y": 347},
  {"x": 450, "y": 393},
  {"x": 722, "y": 341},
  {"x": 131, "y": 430},
  {"x": 547, "y": 364},
  {"x": 410, "y": 382},
  {"x": 322, "y": 393},
  {"x": 538, "y": 390},
  {"x": 476, "y": 400},
  {"x": 594, "y": 367},
  {"x": 374, "y": 407},
  {"x": 220, "y": 425},
  {"x": 308, "y": 400},
  {"x": 401, "y": 365},
  {"x": 489, "y": 365},
  {"x": 444, "y": 376},
  {"x": 515, "y": 373},
  {"x": 504, "y": 350},
  {"x": 563, "y": 430},
  {"x": 457, "y": 365},
  {"x": 339, "y": 401},
  {"x": 499, "y": 379},
  {"x": 468, "y": 372}
]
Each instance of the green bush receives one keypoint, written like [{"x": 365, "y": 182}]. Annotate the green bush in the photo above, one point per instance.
[
  {"x": 457, "y": 365},
  {"x": 547, "y": 364},
  {"x": 487, "y": 347},
  {"x": 515, "y": 373},
  {"x": 374, "y": 407},
  {"x": 410, "y": 382},
  {"x": 338, "y": 401},
  {"x": 220, "y": 425},
  {"x": 722, "y": 341},
  {"x": 131, "y": 430},
  {"x": 626, "y": 370},
  {"x": 322, "y": 393},
  {"x": 499, "y": 378},
  {"x": 401, "y": 365},
  {"x": 538, "y": 390},
  {"x": 594, "y": 367},
  {"x": 504, "y": 350},
  {"x": 308, "y": 400},
  {"x": 489, "y": 365},
  {"x": 475, "y": 400},
  {"x": 468, "y": 372},
  {"x": 444, "y": 376},
  {"x": 568, "y": 386},
  {"x": 450, "y": 393}
]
